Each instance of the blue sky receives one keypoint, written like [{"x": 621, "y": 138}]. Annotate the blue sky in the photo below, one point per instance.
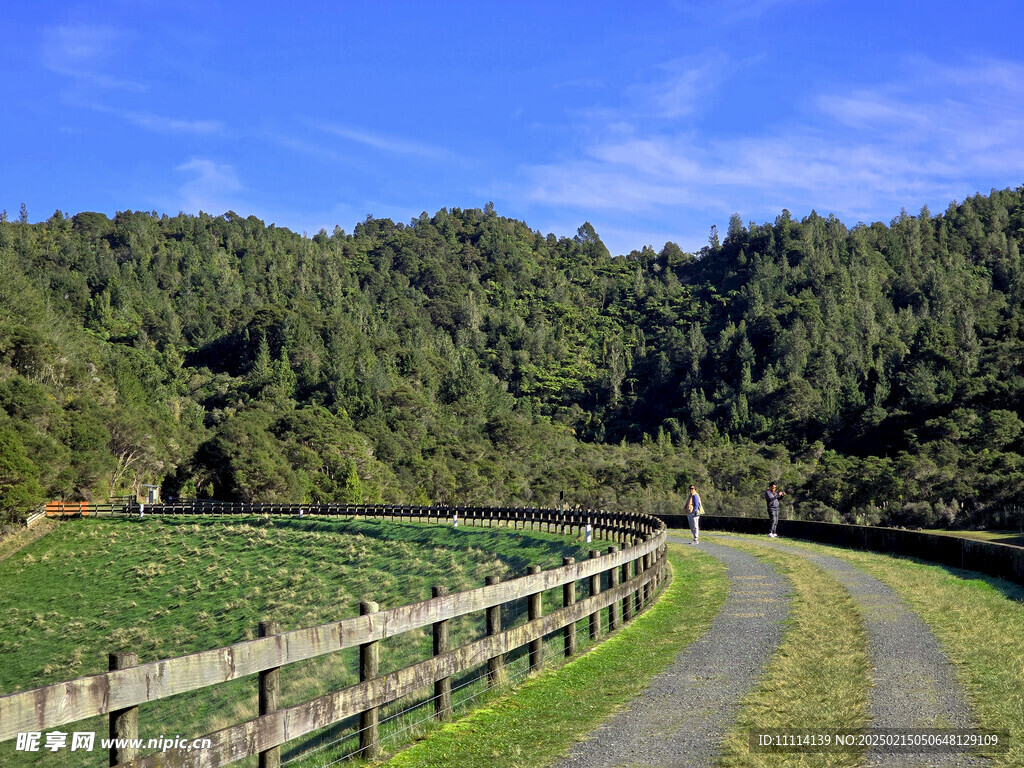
[{"x": 653, "y": 122}]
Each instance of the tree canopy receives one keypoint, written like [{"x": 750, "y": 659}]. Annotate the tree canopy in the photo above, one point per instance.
[{"x": 876, "y": 371}]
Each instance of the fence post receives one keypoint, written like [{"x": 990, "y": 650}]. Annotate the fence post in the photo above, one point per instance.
[
  {"x": 568, "y": 598},
  {"x": 648, "y": 564},
  {"x": 645, "y": 563},
  {"x": 627, "y": 601},
  {"x": 663, "y": 573},
  {"x": 369, "y": 666},
  {"x": 638, "y": 569},
  {"x": 270, "y": 694},
  {"x": 595, "y": 588},
  {"x": 123, "y": 723},
  {"x": 535, "y": 610},
  {"x": 495, "y": 664},
  {"x": 443, "y": 687},
  {"x": 613, "y": 582}
]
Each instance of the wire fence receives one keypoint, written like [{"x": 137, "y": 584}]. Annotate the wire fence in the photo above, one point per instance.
[{"x": 407, "y": 721}]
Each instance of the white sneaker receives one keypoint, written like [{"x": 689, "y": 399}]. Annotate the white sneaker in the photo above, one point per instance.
[{"x": 773, "y": 535}]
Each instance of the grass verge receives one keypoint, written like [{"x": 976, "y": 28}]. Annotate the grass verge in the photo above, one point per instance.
[
  {"x": 539, "y": 721},
  {"x": 979, "y": 622},
  {"x": 818, "y": 679}
]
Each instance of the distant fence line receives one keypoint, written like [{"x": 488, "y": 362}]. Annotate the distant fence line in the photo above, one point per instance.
[
  {"x": 618, "y": 526},
  {"x": 1004, "y": 561},
  {"x": 621, "y": 580}
]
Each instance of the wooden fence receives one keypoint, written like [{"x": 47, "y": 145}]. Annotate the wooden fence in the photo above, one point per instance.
[
  {"x": 85, "y": 508},
  {"x": 633, "y": 573}
]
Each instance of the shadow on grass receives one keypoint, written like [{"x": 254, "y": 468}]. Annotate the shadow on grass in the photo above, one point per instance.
[
  {"x": 1008, "y": 589},
  {"x": 1013, "y": 538}
]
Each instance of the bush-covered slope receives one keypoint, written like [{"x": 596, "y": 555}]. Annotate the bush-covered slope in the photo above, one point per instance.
[{"x": 466, "y": 358}]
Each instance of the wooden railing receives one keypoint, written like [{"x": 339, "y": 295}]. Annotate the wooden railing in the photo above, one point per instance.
[
  {"x": 632, "y": 573},
  {"x": 85, "y": 508}
]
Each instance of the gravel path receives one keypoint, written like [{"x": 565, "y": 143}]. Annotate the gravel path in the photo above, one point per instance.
[
  {"x": 914, "y": 685},
  {"x": 682, "y": 718}
]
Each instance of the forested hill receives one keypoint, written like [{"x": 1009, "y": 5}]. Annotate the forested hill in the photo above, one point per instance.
[{"x": 875, "y": 372}]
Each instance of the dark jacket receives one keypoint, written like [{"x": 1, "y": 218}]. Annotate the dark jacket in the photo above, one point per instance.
[{"x": 772, "y": 500}]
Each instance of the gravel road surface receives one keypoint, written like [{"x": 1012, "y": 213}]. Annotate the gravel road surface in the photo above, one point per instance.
[
  {"x": 914, "y": 685},
  {"x": 681, "y": 719}
]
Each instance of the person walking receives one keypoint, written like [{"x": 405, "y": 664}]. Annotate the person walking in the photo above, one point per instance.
[
  {"x": 694, "y": 509},
  {"x": 771, "y": 498}
]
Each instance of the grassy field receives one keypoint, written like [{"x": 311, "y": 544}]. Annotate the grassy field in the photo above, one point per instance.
[
  {"x": 194, "y": 585},
  {"x": 13, "y": 542},
  {"x": 168, "y": 586}
]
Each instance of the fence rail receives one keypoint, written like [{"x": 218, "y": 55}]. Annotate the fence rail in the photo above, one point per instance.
[
  {"x": 118, "y": 693},
  {"x": 85, "y": 508}
]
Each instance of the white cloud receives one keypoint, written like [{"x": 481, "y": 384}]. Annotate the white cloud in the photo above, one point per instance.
[
  {"x": 211, "y": 189},
  {"x": 942, "y": 122},
  {"x": 389, "y": 144},
  {"x": 609, "y": 186},
  {"x": 166, "y": 124},
  {"x": 736, "y": 11},
  {"x": 290, "y": 141},
  {"x": 155, "y": 122},
  {"x": 85, "y": 53},
  {"x": 684, "y": 86},
  {"x": 862, "y": 152}
]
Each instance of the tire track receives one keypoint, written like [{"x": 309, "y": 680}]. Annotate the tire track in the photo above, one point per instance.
[
  {"x": 914, "y": 685},
  {"x": 684, "y": 715}
]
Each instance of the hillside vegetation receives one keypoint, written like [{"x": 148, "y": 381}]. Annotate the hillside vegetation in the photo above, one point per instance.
[{"x": 874, "y": 371}]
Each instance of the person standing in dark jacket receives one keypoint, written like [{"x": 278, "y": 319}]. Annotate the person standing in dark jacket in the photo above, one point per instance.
[{"x": 771, "y": 498}]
